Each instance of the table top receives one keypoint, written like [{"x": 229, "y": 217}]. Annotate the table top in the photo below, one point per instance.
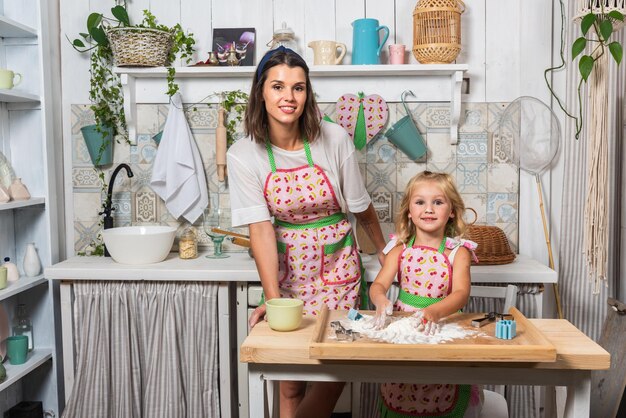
[
  {"x": 239, "y": 267},
  {"x": 574, "y": 350}
]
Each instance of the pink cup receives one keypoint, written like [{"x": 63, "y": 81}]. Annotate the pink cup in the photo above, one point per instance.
[{"x": 396, "y": 53}]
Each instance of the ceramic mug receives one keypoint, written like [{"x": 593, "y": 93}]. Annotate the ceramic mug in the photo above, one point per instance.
[
  {"x": 4, "y": 272},
  {"x": 17, "y": 349},
  {"x": 284, "y": 314},
  {"x": 7, "y": 77},
  {"x": 325, "y": 52},
  {"x": 396, "y": 53}
]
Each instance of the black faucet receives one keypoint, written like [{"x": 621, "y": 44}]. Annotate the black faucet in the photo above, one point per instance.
[{"x": 108, "y": 208}]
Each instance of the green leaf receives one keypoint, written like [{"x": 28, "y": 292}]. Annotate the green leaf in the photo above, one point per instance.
[
  {"x": 585, "y": 66},
  {"x": 578, "y": 46},
  {"x": 99, "y": 36},
  {"x": 78, "y": 43},
  {"x": 606, "y": 29},
  {"x": 616, "y": 51},
  {"x": 84, "y": 35},
  {"x": 93, "y": 21},
  {"x": 614, "y": 14},
  {"x": 587, "y": 22},
  {"x": 120, "y": 14}
]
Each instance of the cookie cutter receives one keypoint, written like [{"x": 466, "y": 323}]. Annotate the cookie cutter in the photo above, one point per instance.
[
  {"x": 489, "y": 318},
  {"x": 342, "y": 333}
]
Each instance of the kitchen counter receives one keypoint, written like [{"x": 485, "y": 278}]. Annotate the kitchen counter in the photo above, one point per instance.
[{"x": 239, "y": 267}]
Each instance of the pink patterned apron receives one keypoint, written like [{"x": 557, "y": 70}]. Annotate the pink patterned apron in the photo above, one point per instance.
[
  {"x": 318, "y": 259},
  {"x": 425, "y": 277}
]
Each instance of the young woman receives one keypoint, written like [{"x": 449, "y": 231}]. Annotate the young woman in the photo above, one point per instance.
[{"x": 303, "y": 173}]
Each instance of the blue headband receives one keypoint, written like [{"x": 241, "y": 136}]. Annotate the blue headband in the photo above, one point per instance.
[{"x": 268, "y": 55}]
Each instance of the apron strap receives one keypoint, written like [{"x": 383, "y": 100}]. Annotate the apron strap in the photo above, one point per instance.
[
  {"x": 442, "y": 246},
  {"x": 270, "y": 154}
]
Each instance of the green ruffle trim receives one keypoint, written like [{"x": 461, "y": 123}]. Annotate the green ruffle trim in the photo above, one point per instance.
[{"x": 457, "y": 412}]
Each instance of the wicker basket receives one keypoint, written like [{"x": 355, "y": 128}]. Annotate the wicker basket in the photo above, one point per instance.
[
  {"x": 493, "y": 245},
  {"x": 140, "y": 47},
  {"x": 437, "y": 30}
]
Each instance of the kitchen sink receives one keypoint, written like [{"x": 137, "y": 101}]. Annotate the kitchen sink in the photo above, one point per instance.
[{"x": 139, "y": 244}]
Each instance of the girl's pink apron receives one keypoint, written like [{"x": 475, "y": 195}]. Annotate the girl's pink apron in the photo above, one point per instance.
[
  {"x": 318, "y": 260},
  {"x": 425, "y": 277}
]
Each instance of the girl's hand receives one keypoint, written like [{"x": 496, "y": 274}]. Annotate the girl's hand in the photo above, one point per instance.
[
  {"x": 426, "y": 324},
  {"x": 383, "y": 310},
  {"x": 381, "y": 258},
  {"x": 257, "y": 316}
]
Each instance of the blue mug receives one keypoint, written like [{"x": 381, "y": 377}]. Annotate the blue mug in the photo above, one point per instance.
[{"x": 365, "y": 41}]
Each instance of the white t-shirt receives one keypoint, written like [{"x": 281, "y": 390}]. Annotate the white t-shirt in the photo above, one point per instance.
[{"x": 333, "y": 151}]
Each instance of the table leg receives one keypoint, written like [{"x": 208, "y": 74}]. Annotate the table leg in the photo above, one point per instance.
[
  {"x": 225, "y": 360},
  {"x": 67, "y": 332},
  {"x": 256, "y": 393},
  {"x": 578, "y": 403}
]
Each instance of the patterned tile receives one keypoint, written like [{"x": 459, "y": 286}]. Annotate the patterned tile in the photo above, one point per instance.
[
  {"x": 81, "y": 116},
  {"x": 502, "y": 178},
  {"x": 381, "y": 178},
  {"x": 405, "y": 172},
  {"x": 472, "y": 147},
  {"x": 474, "y": 117},
  {"x": 448, "y": 167},
  {"x": 471, "y": 177},
  {"x": 145, "y": 208},
  {"x": 141, "y": 179},
  {"x": 418, "y": 113},
  {"x": 85, "y": 233},
  {"x": 80, "y": 155},
  {"x": 85, "y": 178},
  {"x": 202, "y": 116},
  {"x": 122, "y": 205},
  {"x": 478, "y": 202},
  {"x": 503, "y": 133},
  {"x": 502, "y": 207},
  {"x": 147, "y": 119},
  {"x": 440, "y": 148},
  {"x": 437, "y": 116},
  {"x": 383, "y": 205},
  {"x": 379, "y": 150},
  {"x": 122, "y": 152},
  {"x": 328, "y": 109},
  {"x": 87, "y": 206},
  {"x": 145, "y": 150},
  {"x": 206, "y": 144}
]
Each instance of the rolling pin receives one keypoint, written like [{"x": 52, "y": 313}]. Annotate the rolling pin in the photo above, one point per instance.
[
  {"x": 220, "y": 144},
  {"x": 243, "y": 242}
]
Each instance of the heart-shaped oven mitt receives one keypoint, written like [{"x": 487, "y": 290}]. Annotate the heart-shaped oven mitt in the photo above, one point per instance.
[{"x": 362, "y": 116}]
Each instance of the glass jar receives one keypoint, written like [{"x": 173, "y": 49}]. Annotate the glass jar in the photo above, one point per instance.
[
  {"x": 284, "y": 36},
  {"x": 188, "y": 244}
]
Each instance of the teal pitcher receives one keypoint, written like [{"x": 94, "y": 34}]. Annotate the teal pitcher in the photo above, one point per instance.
[{"x": 365, "y": 42}]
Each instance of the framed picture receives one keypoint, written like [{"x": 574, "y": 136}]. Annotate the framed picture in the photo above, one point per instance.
[{"x": 242, "y": 38}]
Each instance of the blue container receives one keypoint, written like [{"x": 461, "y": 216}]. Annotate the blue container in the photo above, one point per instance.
[
  {"x": 99, "y": 144},
  {"x": 366, "y": 45}
]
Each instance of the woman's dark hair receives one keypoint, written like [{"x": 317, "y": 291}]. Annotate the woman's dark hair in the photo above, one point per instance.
[{"x": 256, "y": 123}]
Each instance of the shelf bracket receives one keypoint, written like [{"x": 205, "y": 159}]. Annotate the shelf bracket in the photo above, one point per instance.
[
  {"x": 455, "y": 106},
  {"x": 130, "y": 106}
]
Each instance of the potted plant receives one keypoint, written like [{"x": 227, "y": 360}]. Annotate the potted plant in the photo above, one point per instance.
[{"x": 115, "y": 41}]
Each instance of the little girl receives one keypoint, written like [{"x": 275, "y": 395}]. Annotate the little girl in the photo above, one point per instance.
[{"x": 423, "y": 260}]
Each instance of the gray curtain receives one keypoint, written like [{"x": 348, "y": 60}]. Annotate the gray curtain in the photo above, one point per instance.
[{"x": 145, "y": 349}]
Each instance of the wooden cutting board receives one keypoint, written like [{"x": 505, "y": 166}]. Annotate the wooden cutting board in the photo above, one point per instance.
[{"x": 528, "y": 346}]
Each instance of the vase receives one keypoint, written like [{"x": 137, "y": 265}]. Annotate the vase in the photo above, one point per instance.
[
  {"x": 18, "y": 190},
  {"x": 32, "y": 265},
  {"x": 99, "y": 141},
  {"x": 4, "y": 194}
]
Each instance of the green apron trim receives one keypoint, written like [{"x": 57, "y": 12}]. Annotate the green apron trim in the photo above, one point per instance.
[
  {"x": 457, "y": 412},
  {"x": 270, "y": 154},
  {"x": 441, "y": 249},
  {"x": 416, "y": 301},
  {"x": 328, "y": 220},
  {"x": 363, "y": 290},
  {"x": 360, "y": 132},
  {"x": 346, "y": 241},
  {"x": 282, "y": 247}
]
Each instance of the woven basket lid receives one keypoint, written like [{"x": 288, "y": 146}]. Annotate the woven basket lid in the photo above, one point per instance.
[{"x": 433, "y": 5}]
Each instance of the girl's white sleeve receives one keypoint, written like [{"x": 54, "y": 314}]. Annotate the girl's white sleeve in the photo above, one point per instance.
[
  {"x": 246, "y": 193},
  {"x": 352, "y": 185}
]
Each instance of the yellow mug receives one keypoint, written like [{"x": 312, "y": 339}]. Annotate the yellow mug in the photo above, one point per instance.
[
  {"x": 284, "y": 314},
  {"x": 325, "y": 52},
  {"x": 7, "y": 77}
]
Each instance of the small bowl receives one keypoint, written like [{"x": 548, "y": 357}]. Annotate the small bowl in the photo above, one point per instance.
[{"x": 284, "y": 314}]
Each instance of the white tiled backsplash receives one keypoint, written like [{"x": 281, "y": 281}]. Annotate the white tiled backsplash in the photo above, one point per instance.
[{"x": 481, "y": 164}]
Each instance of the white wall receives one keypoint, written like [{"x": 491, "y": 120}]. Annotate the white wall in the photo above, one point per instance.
[{"x": 506, "y": 57}]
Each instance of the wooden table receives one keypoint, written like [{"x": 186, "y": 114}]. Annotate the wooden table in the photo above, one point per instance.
[{"x": 274, "y": 355}]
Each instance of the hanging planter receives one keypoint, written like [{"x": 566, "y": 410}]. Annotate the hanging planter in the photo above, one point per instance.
[
  {"x": 140, "y": 47},
  {"x": 99, "y": 141}
]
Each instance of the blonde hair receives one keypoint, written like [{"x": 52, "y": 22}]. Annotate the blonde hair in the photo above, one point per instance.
[{"x": 455, "y": 226}]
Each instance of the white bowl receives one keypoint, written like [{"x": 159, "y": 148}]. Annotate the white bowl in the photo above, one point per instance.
[{"x": 139, "y": 244}]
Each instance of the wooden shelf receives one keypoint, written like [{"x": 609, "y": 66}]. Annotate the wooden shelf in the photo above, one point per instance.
[
  {"x": 12, "y": 29},
  {"x": 33, "y": 201},
  {"x": 36, "y": 358},
  {"x": 430, "y": 83},
  {"x": 17, "y": 96},
  {"x": 22, "y": 284}
]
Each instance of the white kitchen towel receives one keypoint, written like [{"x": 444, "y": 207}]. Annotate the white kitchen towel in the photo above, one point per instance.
[{"x": 178, "y": 174}]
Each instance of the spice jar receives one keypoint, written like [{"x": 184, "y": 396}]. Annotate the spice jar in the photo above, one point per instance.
[
  {"x": 188, "y": 244},
  {"x": 285, "y": 37}
]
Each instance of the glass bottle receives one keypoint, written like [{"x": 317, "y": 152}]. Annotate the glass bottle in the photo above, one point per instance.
[
  {"x": 22, "y": 324},
  {"x": 188, "y": 244},
  {"x": 284, "y": 36}
]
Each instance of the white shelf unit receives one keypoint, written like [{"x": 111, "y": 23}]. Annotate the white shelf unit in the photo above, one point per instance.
[
  {"x": 29, "y": 128},
  {"x": 429, "y": 83}
]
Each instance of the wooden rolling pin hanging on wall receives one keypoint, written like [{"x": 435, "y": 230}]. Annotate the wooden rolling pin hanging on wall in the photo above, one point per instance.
[{"x": 220, "y": 144}]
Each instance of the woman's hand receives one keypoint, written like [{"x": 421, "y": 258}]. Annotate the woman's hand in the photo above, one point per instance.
[
  {"x": 383, "y": 309},
  {"x": 381, "y": 257},
  {"x": 257, "y": 316}
]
